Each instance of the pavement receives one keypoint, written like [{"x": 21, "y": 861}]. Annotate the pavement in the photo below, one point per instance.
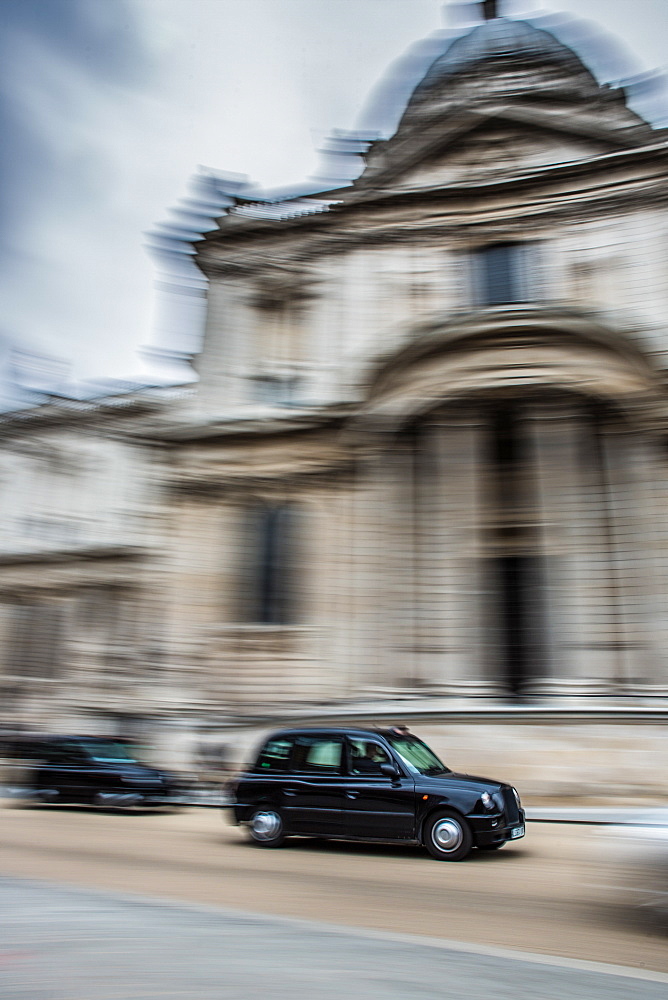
[
  {"x": 61, "y": 943},
  {"x": 599, "y": 815}
]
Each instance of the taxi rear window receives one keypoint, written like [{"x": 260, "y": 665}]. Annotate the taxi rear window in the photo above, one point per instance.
[
  {"x": 317, "y": 755},
  {"x": 274, "y": 755}
]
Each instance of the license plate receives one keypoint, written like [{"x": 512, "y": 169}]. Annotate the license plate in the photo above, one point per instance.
[{"x": 517, "y": 831}]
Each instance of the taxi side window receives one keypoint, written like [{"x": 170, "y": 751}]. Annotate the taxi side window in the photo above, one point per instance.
[
  {"x": 65, "y": 753},
  {"x": 317, "y": 755},
  {"x": 274, "y": 756},
  {"x": 367, "y": 756}
]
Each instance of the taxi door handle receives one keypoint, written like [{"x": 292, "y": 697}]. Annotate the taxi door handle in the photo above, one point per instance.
[
  {"x": 352, "y": 795},
  {"x": 290, "y": 791}
]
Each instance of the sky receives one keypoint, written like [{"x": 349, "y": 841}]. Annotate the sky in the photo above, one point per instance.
[{"x": 109, "y": 108}]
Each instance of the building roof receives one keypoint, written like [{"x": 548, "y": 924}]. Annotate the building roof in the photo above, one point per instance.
[{"x": 496, "y": 39}]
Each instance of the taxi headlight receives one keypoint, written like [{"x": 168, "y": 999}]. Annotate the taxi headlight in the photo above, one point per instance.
[{"x": 487, "y": 801}]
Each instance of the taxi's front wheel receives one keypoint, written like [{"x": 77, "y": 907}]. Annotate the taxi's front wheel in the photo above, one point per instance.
[
  {"x": 266, "y": 828},
  {"x": 447, "y": 836}
]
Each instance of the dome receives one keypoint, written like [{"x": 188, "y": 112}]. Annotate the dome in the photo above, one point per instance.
[{"x": 499, "y": 38}]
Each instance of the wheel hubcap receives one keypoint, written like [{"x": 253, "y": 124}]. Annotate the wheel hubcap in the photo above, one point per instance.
[
  {"x": 266, "y": 825},
  {"x": 447, "y": 834}
]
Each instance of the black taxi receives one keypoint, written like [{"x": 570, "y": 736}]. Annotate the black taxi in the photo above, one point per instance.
[
  {"x": 373, "y": 785},
  {"x": 90, "y": 770}
]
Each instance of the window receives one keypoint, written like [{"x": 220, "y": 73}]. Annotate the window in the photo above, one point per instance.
[
  {"x": 109, "y": 753},
  {"x": 37, "y": 639},
  {"x": 366, "y": 757},
  {"x": 269, "y": 594},
  {"x": 65, "y": 753},
  {"x": 274, "y": 756},
  {"x": 418, "y": 757},
  {"x": 317, "y": 755},
  {"x": 279, "y": 324},
  {"x": 277, "y": 390},
  {"x": 27, "y": 751},
  {"x": 501, "y": 274}
]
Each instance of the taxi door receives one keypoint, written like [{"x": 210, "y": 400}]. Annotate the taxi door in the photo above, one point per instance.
[{"x": 377, "y": 806}]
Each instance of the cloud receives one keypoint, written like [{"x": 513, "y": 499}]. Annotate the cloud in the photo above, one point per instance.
[{"x": 68, "y": 73}]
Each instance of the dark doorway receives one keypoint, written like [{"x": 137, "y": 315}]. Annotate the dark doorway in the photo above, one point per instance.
[
  {"x": 520, "y": 605},
  {"x": 515, "y": 563}
]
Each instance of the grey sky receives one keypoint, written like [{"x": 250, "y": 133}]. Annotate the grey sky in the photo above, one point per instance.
[{"x": 109, "y": 106}]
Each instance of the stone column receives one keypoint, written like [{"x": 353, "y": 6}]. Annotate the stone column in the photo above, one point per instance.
[
  {"x": 655, "y": 536},
  {"x": 581, "y": 602},
  {"x": 637, "y": 476},
  {"x": 452, "y": 603},
  {"x": 397, "y": 567},
  {"x": 330, "y": 619},
  {"x": 370, "y": 565}
]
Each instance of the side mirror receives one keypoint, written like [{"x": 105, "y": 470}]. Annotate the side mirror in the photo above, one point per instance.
[{"x": 390, "y": 770}]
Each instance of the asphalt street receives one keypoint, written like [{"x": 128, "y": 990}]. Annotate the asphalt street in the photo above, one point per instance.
[
  {"x": 104, "y": 905},
  {"x": 60, "y": 943}
]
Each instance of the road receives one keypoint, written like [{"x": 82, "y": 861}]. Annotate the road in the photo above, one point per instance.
[{"x": 549, "y": 894}]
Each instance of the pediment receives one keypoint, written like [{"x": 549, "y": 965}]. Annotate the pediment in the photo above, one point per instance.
[
  {"x": 499, "y": 144},
  {"x": 499, "y": 150}
]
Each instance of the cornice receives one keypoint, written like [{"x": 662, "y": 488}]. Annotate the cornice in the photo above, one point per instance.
[
  {"x": 453, "y": 212},
  {"x": 278, "y": 485},
  {"x": 206, "y": 431},
  {"x": 82, "y": 553},
  {"x": 111, "y": 412}
]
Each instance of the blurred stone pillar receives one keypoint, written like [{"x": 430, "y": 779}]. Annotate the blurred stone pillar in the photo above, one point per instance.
[
  {"x": 335, "y": 611},
  {"x": 581, "y": 604},
  {"x": 378, "y": 564},
  {"x": 655, "y": 548},
  {"x": 398, "y": 566},
  {"x": 452, "y": 601},
  {"x": 637, "y": 474}
]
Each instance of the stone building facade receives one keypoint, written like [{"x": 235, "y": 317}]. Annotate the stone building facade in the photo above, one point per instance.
[{"x": 423, "y": 473}]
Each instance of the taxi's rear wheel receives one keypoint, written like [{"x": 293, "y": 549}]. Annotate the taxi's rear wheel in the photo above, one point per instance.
[
  {"x": 266, "y": 828},
  {"x": 47, "y": 795},
  {"x": 447, "y": 836}
]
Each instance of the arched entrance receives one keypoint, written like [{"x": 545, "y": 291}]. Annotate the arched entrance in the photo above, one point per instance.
[
  {"x": 539, "y": 540},
  {"x": 516, "y": 545}
]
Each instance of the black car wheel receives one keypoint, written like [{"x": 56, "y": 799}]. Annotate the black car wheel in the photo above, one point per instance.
[
  {"x": 266, "y": 828},
  {"x": 117, "y": 799},
  {"x": 447, "y": 837},
  {"x": 47, "y": 795}
]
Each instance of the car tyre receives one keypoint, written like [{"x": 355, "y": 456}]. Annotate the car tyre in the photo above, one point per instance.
[
  {"x": 103, "y": 800},
  {"x": 266, "y": 828},
  {"x": 47, "y": 795},
  {"x": 447, "y": 836}
]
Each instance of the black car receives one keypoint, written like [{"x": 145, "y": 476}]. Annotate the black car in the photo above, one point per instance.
[
  {"x": 374, "y": 785},
  {"x": 95, "y": 770}
]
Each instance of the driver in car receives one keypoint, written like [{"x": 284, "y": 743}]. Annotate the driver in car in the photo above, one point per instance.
[{"x": 371, "y": 761}]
